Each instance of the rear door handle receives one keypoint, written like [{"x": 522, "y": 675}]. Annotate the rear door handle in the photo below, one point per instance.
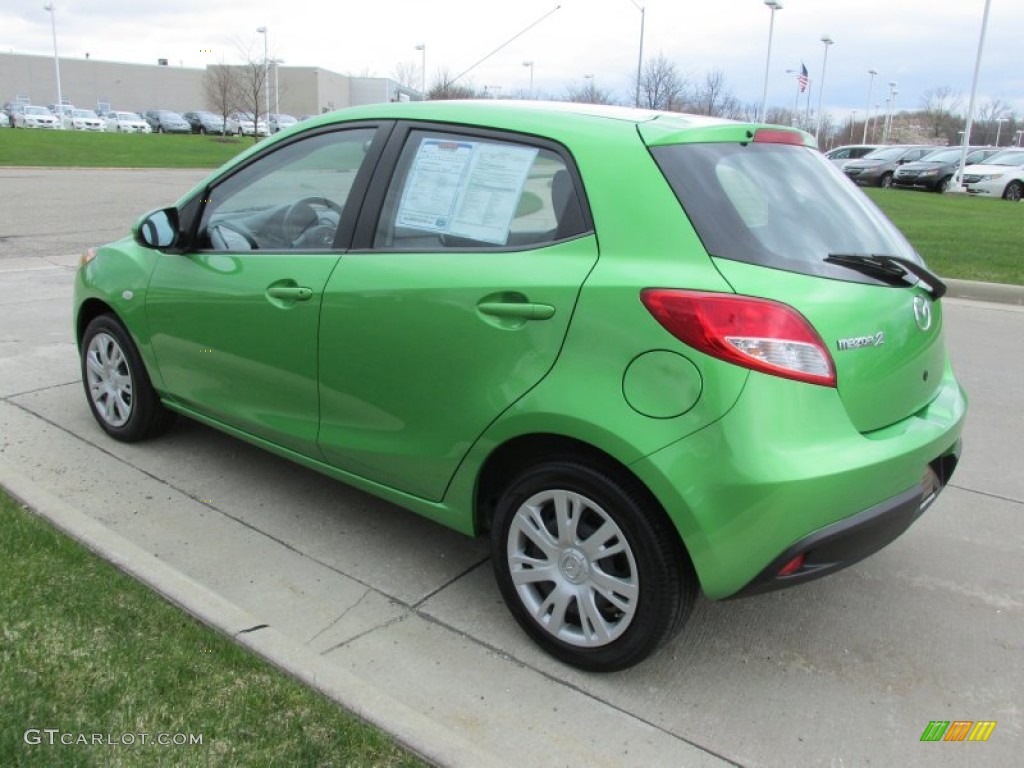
[
  {"x": 290, "y": 292},
  {"x": 524, "y": 310}
]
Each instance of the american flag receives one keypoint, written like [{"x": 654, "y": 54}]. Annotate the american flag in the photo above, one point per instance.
[{"x": 802, "y": 78}]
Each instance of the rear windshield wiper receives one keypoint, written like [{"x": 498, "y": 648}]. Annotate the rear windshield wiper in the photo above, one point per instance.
[{"x": 889, "y": 267}]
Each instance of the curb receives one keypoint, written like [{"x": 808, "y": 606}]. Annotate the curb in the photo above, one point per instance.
[
  {"x": 427, "y": 738},
  {"x": 998, "y": 293}
]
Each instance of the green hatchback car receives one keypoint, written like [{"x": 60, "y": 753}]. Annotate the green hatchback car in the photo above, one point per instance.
[{"x": 650, "y": 355}]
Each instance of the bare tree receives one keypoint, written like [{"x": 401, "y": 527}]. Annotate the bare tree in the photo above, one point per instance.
[
  {"x": 661, "y": 85},
  {"x": 713, "y": 98},
  {"x": 444, "y": 87},
  {"x": 252, "y": 85},
  {"x": 940, "y": 108},
  {"x": 220, "y": 90},
  {"x": 409, "y": 74},
  {"x": 588, "y": 93}
]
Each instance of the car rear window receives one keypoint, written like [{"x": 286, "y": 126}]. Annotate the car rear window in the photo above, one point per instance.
[{"x": 777, "y": 205}]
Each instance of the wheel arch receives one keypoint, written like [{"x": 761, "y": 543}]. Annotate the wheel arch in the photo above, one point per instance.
[
  {"x": 517, "y": 454},
  {"x": 91, "y": 309}
]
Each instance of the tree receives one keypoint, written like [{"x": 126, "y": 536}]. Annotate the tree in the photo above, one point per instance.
[
  {"x": 444, "y": 87},
  {"x": 940, "y": 106},
  {"x": 712, "y": 98},
  {"x": 661, "y": 85},
  {"x": 252, "y": 84},
  {"x": 588, "y": 93},
  {"x": 220, "y": 89},
  {"x": 409, "y": 74}
]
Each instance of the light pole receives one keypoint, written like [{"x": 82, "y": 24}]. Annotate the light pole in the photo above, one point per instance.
[
  {"x": 853, "y": 121},
  {"x": 277, "y": 86},
  {"x": 422, "y": 48},
  {"x": 821, "y": 86},
  {"x": 774, "y": 5},
  {"x": 796, "y": 101},
  {"x": 958, "y": 173},
  {"x": 1018, "y": 136},
  {"x": 999, "y": 127},
  {"x": 888, "y": 112},
  {"x": 867, "y": 110},
  {"x": 640, "y": 56},
  {"x": 893, "y": 113},
  {"x": 530, "y": 65},
  {"x": 56, "y": 62},
  {"x": 874, "y": 124},
  {"x": 266, "y": 80}
]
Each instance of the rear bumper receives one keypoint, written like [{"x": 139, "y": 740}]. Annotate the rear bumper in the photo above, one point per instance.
[
  {"x": 785, "y": 473},
  {"x": 851, "y": 540}
]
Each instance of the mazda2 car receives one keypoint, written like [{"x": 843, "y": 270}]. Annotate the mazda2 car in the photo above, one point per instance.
[{"x": 648, "y": 354}]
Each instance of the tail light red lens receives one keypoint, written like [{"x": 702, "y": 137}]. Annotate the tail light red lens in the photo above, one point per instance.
[{"x": 759, "y": 334}]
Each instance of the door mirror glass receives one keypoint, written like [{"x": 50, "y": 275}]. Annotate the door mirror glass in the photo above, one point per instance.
[{"x": 158, "y": 229}]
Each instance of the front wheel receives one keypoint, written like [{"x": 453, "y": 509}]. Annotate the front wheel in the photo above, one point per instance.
[
  {"x": 944, "y": 185},
  {"x": 886, "y": 181},
  {"x": 117, "y": 387},
  {"x": 589, "y": 566},
  {"x": 1014, "y": 191}
]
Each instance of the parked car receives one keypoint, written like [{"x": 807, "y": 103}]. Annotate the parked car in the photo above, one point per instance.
[
  {"x": 5, "y": 121},
  {"x": 205, "y": 122},
  {"x": 126, "y": 122},
  {"x": 1001, "y": 175},
  {"x": 278, "y": 122},
  {"x": 30, "y": 116},
  {"x": 840, "y": 155},
  {"x": 242, "y": 124},
  {"x": 647, "y": 354},
  {"x": 83, "y": 120},
  {"x": 876, "y": 168},
  {"x": 166, "y": 121},
  {"x": 934, "y": 171}
]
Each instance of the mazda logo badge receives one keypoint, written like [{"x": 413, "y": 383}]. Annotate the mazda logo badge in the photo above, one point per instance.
[{"x": 922, "y": 313}]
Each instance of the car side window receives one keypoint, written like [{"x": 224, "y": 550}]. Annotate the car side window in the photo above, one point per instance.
[
  {"x": 290, "y": 199},
  {"x": 452, "y": 191}
]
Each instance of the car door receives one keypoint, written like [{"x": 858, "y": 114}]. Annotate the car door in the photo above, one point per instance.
[
  {"x": 234, "y": 319},
  {"x": 453, "y": 302}
]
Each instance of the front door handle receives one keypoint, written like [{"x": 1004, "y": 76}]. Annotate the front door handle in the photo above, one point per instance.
[
  {"x": 521, "y": 310},
  {"x": 290, "y": 292}
]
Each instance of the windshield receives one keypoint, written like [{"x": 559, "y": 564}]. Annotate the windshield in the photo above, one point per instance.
[
  {"x": 777, "y": 205},
  {"x": 889, "y": 153},
  {"x": 128, "y": 116},
  {"x": 36, "y": 111},
  {"x": 1006, "y": 158},
  {"x": 943, "y": 156},
  {"x": 83, "y": 113}
]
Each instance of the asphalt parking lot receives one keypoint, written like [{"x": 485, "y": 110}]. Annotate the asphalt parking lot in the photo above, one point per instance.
[{"x": 401, "y": 620}]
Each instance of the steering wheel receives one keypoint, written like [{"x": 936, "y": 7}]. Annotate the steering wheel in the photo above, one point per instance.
[{"x": 301, "y": 216}]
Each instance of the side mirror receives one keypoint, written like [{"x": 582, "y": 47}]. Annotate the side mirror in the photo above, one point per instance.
[{"x": 158, "y": 229}]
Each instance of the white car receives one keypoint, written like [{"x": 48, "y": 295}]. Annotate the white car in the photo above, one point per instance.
[
  {"x": 242, "y": 124},
  {"x": 1000, "y": 175},
  {"x": 5, "y": 121},
  {"x": 126, "y": 122},
  {"x": 29, "y": 116},
  {"x": 278, "y": 122},
  {"x": 83, "y": 120}
]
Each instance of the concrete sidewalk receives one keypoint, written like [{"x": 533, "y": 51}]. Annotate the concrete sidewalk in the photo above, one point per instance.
[{"x": 400, "y": 620}]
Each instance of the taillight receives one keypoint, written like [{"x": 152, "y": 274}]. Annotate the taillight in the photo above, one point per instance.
[
  {"x": 755, "y": 333},
  {"x": 778, "y": 136}
]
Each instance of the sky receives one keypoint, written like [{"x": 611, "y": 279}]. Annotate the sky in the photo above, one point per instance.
[{"x": 920, "y": 45}]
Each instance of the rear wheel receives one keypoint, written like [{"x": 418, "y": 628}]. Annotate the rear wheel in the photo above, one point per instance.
[
  {"x": 1014, "y": 191},
  {"x": 886, "y": 181},
  {"x": 120, "y": 394},
  {"x": 589, "y": 566}
]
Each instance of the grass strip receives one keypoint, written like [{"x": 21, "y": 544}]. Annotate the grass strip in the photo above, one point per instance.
[
  {"x": 85, "y": 650},
  {"x": 82, "y": 149},
  {"x": 960, "y": 236}
]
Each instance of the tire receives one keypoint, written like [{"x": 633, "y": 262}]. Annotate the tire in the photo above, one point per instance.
[
  {"x": 159, "y": 129},
  {"x": 202, "y": 131},
  {"x": 943, "y": 185},
  {"x": 1014, "y": 191},
  {"x": 886, "y": 181},
  {"x": 599, "y": 613},
  {"x": 117, "y": 387}
]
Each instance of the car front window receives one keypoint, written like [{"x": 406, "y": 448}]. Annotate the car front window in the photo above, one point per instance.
[{"x": 290, "y": 199}]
